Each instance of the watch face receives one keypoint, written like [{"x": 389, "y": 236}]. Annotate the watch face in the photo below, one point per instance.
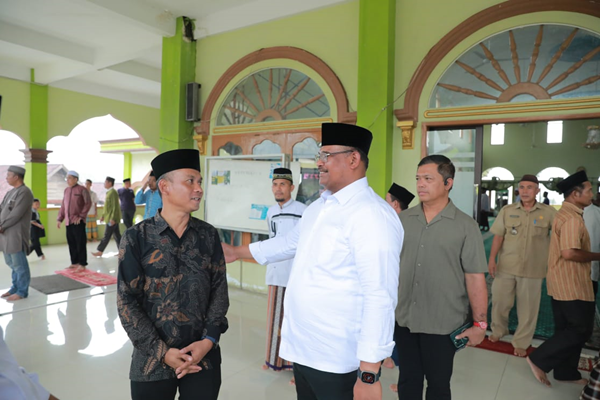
[{"x": 368, "y": 377}]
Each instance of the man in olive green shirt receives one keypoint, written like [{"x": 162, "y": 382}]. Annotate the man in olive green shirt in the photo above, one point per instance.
[
  {"x": 112, "y": 216},
  {"x": 442, "y": 268},
  {"x": 521, "y": 242}
]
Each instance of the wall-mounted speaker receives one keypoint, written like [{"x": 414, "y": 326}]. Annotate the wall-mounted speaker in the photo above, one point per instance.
[{"x": 192, "y": 101}]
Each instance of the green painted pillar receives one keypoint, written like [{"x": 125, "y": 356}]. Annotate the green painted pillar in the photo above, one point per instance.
[
  {"x": 127, "y": 165},
  {"x": 178, "y": 68},
  {"x": 376, "y": 47},
  {"x": 36, "y": 154}
]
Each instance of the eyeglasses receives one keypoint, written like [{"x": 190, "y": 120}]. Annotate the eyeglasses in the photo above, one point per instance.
[{"x": 323, "y": 155}]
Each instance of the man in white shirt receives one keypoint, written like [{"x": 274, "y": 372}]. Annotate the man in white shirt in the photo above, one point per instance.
[
  {"x": 343, "y": 288},
  {"x": 281, "y": 218},
  {"x": 591, "y": 218}
]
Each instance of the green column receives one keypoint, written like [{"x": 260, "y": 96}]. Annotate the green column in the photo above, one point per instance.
[
  {"x": 36, "y": 154},
  {"x": 178, "y": 68},
  {"x": 127, "y": 165},
  {"x": 376, "y": 46}
]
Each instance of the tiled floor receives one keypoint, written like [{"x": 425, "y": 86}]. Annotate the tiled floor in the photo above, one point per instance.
[{"x": 75, "y": 342}]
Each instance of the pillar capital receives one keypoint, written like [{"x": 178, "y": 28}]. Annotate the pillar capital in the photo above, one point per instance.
[{"x": 36, "y": 155}]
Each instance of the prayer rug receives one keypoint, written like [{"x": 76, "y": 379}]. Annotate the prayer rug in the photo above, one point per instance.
[
  {"x": 89, "y": 277},
  {"x": 585, "y": 362},
  {"x": 51, "y": 284}
]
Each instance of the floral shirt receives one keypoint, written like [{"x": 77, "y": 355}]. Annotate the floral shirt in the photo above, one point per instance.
[{"x": 171, "y": 292}]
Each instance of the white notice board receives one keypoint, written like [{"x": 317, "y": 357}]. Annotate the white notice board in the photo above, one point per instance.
[{"x": 238, "y": 191}]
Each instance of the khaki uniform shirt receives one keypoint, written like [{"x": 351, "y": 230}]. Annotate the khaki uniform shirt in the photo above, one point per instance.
[
  {"x": 15, "y": 219},
  {"x": 569, "y": 280},
  {"x": 524, "y": 252},
  {"x": 432, "y": 295}
]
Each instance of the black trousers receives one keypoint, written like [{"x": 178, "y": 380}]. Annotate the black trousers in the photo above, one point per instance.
[
  {"x": 35, "y": 245},
  {"x": 424, "y": 356},
  {"x": 112, "y": 230},
  {"x": 128, "y": 217},
  {"x": 312, "y": 384},
  {"x": 77, "y": 240},
  {"x": 203, "y": 385},
  {"x": 573, "y": 326}
]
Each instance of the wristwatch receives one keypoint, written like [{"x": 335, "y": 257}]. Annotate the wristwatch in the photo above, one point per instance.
[
  {"x": 369, "y": 377},
  {"x": 482, "y": 324}
]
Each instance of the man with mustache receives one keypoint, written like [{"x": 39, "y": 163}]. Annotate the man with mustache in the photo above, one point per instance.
[{"x": 339, "y": 303}]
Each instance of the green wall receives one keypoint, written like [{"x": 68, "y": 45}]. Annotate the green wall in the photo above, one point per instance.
[
  {"x": 525, "y": 150},
  {"x": 14, "y": 115},
  {"x": 339, "y": 24}
]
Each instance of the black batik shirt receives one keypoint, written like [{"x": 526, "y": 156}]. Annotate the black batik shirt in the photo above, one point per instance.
[{"x": 171, "y": 292}]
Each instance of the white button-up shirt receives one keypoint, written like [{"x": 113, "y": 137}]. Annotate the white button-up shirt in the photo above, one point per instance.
[
  {"x": 343, "y": 288},
  {"x": 282, "y": 221},
  {"x": 591, "y": 218}
]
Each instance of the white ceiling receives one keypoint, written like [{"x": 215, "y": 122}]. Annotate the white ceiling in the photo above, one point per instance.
[{"x": 112, "y": 48}]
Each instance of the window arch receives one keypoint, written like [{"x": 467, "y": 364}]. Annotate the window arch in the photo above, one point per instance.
[
  {"x": 548, "y": 178},
  {"x": 538, "y": 62}
]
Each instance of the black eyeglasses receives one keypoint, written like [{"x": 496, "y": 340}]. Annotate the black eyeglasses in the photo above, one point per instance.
[{"x": 324, "y": 155}]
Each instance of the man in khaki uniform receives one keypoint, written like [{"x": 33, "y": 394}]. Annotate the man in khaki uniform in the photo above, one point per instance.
[{"x": 521, "y": 242}]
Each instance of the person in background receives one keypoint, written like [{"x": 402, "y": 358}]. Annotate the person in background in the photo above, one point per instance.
[
  {"x": 126, "y": 197},
  {"x": 151, "y": 197},
  {"x": 591, "y": 218},
  {"x": 521, "y": 242},
  {"x": 399, "y": 198},
  {"x": 281, "y": 219},
  {"x": 91, "y": 222},
  {"x": 485, "y": 211},
  {"x": 112, "y": 217},
  {"x": 546, "y": 200},
  {"x": 15, "y": 223},
  {"x": 569, "y": 285},
  {"x": 37, "y": 230},
  {"x": 74, "y": 210}
]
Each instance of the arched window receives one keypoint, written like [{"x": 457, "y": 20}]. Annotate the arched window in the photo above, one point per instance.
[
  {"x": 538, "y": 62},
  {"x": 273, "y": 94},
  {"x": 266, "y": 147}
]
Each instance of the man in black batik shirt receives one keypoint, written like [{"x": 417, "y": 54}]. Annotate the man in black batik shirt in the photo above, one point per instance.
[{"x": 172, "y": 290}]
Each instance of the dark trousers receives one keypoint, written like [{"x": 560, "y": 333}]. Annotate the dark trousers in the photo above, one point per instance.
[
  {"x": 424, "y": 356},
  {"x": 76, "y": 239},
  {"x": 203, "y": 385},
  {"x": 112, "y": 230},
  {"x": 35, "y": 245},
  {"x": 312, "y": 384},
  {"x": 128, "y": 217},
  {"x": 573, "y": 326}
]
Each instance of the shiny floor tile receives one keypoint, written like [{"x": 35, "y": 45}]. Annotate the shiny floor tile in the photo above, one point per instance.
[{"x": 76, "y": 344}]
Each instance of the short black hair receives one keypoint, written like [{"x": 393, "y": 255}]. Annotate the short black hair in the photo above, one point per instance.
[
  {"x": 89, "y": 180},
  {"x": 36, "y": 200},
  {"x": 402, "y": 205},
  {"x": 444, "y": 166},
  {"x": 579, "y": 188}
]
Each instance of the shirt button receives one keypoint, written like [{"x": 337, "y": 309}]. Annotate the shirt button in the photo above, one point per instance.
[
  {"x": 418, "y": 265},
  {"x": 414, "y": 302},
  {"x": 422, "y": 246}
]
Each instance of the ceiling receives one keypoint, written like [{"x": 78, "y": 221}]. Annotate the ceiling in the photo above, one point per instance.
[{"x": 112, "y": 48}]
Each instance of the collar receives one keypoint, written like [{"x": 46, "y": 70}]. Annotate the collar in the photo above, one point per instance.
[
  {"x": 417, "y": 211},
  {"x": 536, "y": 205},
  {"x": 287, "y": 204},
  {"x": 347, "y": 192},
  {"x": 571, "y": 208},
  {"x": 162, "y": 225}
]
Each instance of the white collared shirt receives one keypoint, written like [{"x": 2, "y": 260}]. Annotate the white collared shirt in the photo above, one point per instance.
[
  {"x": 343, "y": 288},
  {"x": 282, "y": 220},
  {"x": 591, "y": 218}
]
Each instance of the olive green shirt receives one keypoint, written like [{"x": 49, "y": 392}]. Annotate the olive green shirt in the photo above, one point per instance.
[
  {"x": 524, "y": 252},
  {"x": 432, "y": 295},
  {"x": 112, "y": 209}
]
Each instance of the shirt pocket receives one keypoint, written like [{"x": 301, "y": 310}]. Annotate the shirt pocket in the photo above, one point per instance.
[{"x": 540, "y": 228}]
